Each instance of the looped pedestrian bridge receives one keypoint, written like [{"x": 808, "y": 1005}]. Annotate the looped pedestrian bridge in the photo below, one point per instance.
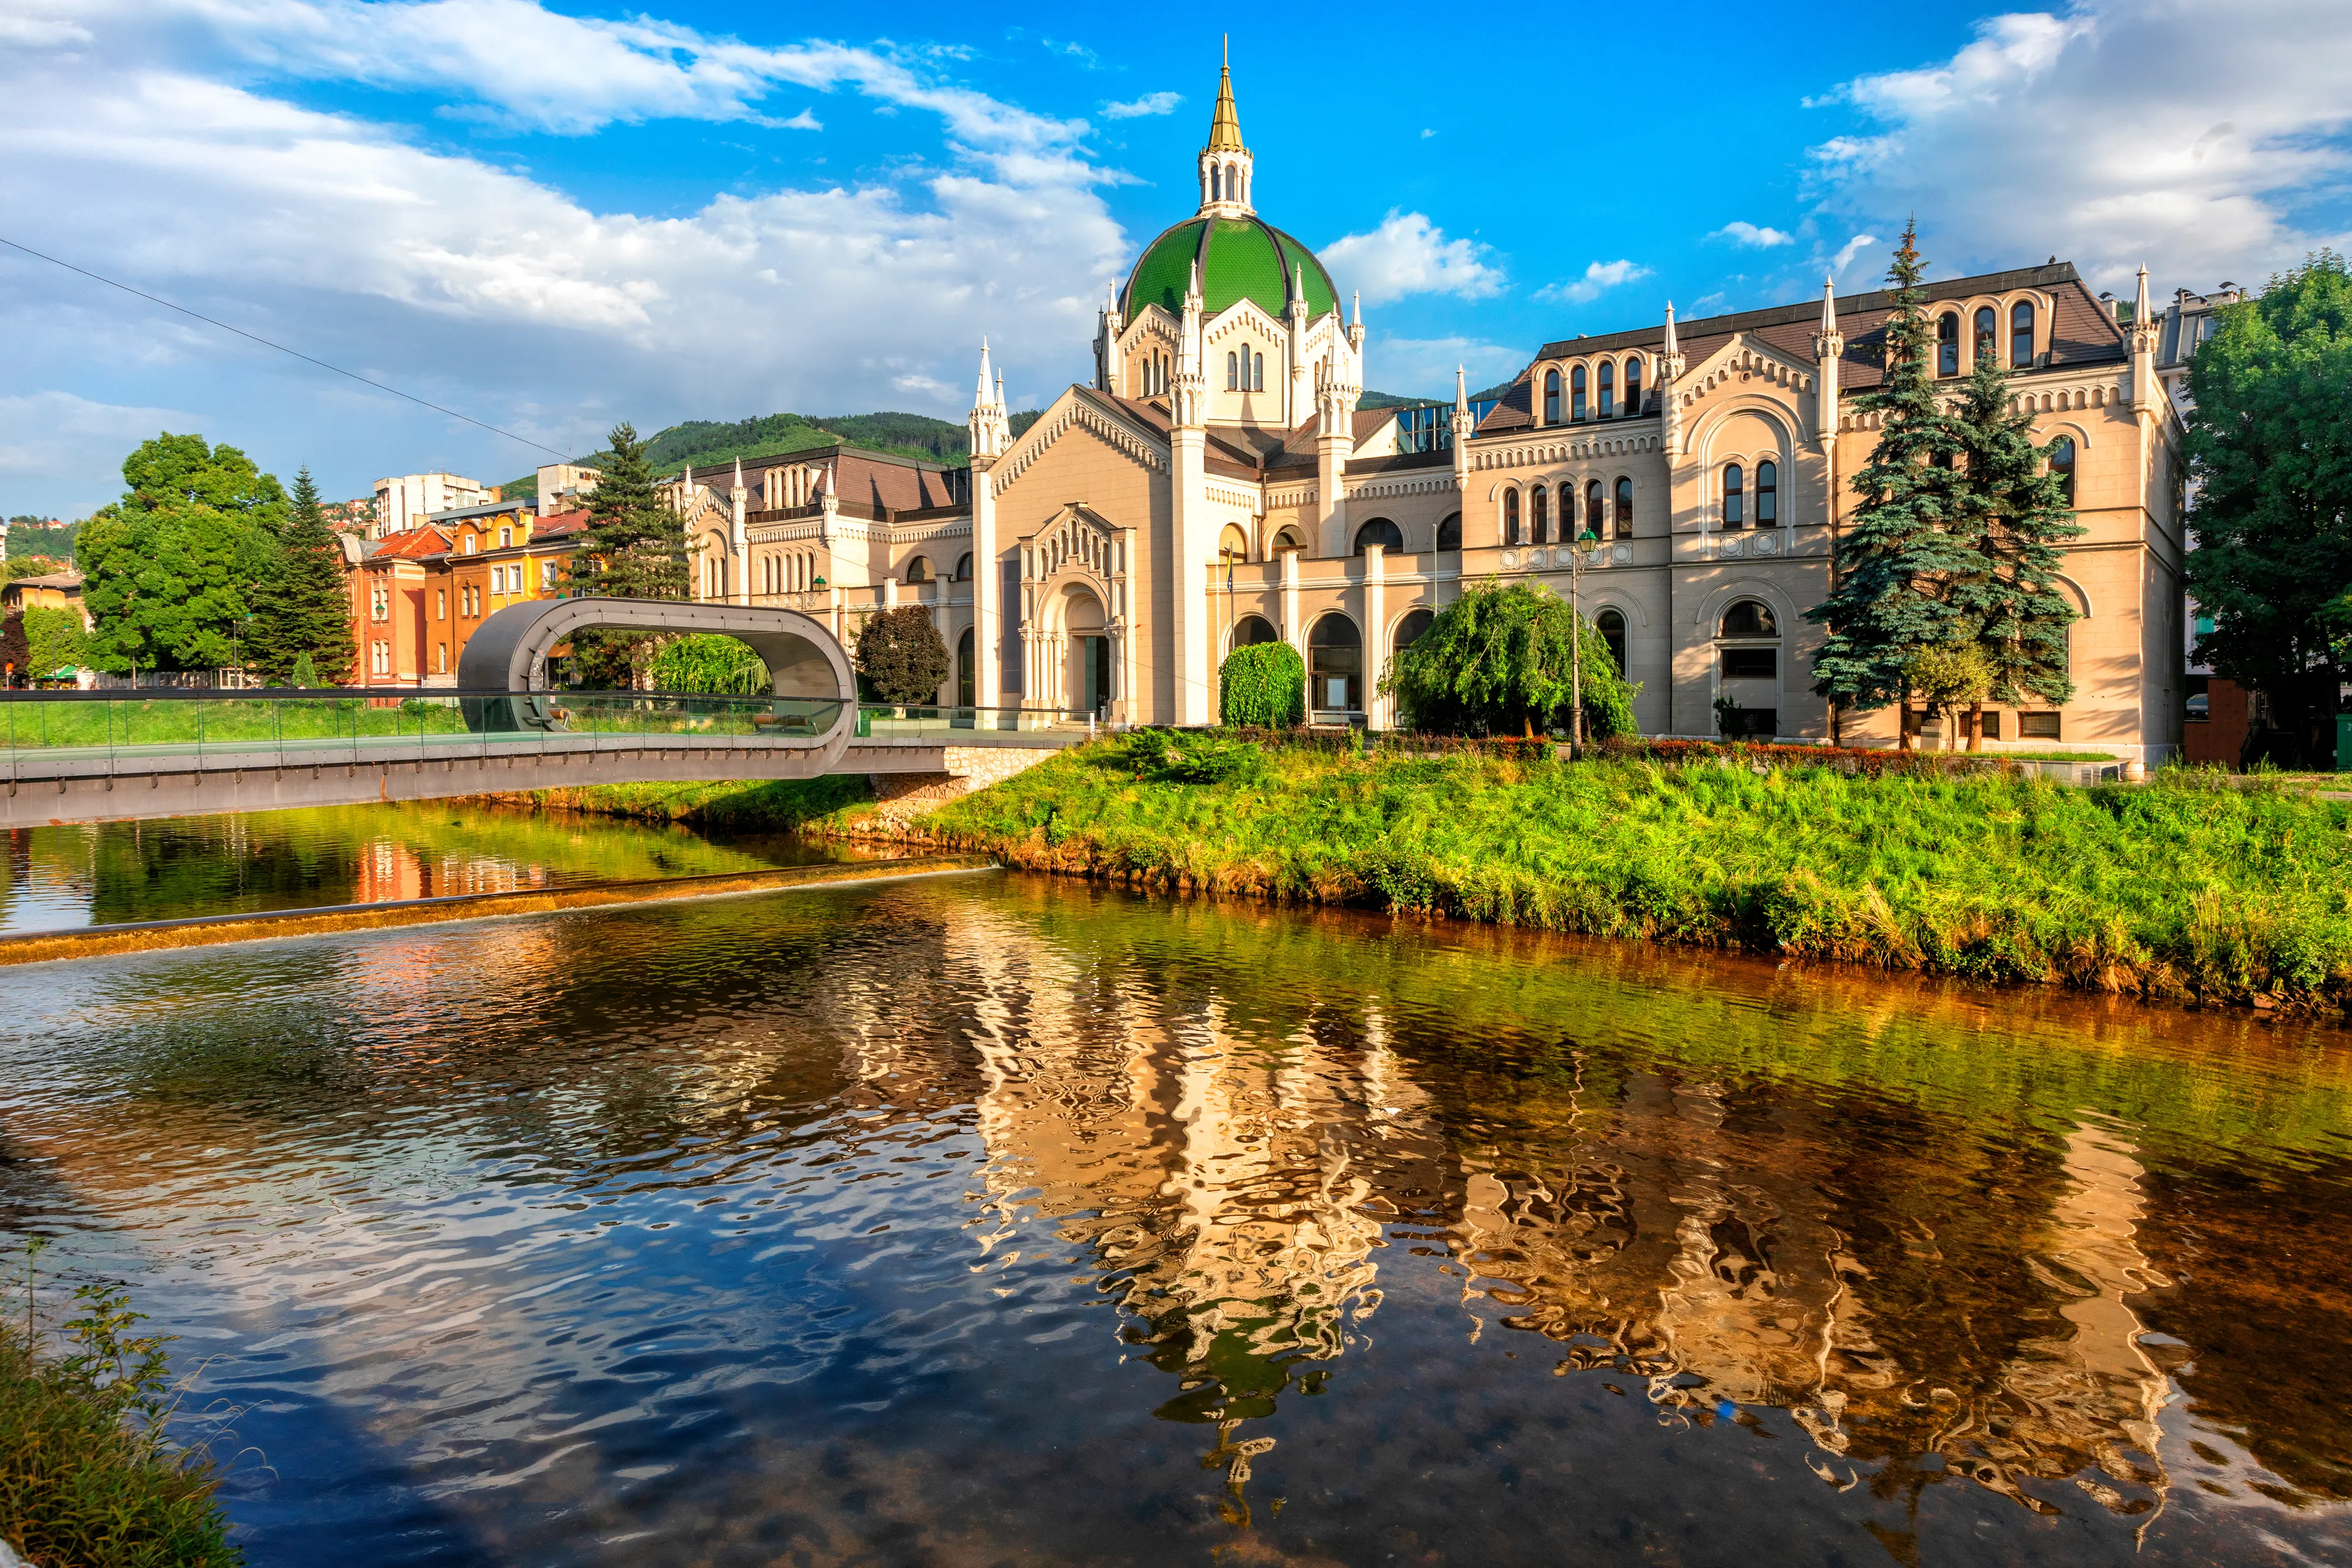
[{"x": 87, "y": 756}]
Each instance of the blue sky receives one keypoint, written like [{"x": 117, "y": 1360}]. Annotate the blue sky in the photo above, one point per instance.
[{"x": 556, "y": 216}]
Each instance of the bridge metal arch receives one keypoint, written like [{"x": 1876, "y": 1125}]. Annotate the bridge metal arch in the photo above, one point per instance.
[{"x": 509, "y": 651}]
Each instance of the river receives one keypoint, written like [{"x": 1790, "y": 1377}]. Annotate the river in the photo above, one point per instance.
[{"x": 995, "y": 1219}]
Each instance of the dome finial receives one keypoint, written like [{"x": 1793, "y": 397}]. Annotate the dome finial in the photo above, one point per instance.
[{"x": 1225, "y": 125}]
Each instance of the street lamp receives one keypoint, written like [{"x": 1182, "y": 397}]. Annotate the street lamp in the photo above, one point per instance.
[{"x": 1577, "y": 560}]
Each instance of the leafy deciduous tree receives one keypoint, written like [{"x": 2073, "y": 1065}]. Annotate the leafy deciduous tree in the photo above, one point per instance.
[
  {"x": 1498, "y": 660},
  {"x": 167, "y": 569},
  {"x": 902, "y": 655},
  {"x": 2270, "y": 446}
]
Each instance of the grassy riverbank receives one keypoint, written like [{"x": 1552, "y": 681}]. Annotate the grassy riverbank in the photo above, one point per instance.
[
  {"x": 772, "y": 805},
  {"x": 86, "y": 1475},
  {"x": 2186, "y": 888}
]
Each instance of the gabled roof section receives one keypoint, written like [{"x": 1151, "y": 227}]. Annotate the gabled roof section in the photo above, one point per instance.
[{"x": 410, "y": 544}]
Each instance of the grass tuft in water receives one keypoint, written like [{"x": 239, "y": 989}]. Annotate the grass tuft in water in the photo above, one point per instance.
[{"x": 88, "y": 1476}]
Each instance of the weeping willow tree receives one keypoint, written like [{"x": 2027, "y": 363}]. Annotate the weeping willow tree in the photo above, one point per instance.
[{"x": 1503, "y": 661}]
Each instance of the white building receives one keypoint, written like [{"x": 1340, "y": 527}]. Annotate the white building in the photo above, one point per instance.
[{"x": 404, "y": 502}]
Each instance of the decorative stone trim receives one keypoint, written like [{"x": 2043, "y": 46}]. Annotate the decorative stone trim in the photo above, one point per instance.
[{"x": 1076, "y": 411}]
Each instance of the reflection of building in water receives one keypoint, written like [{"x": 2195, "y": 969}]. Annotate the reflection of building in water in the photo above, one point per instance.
[
  {"x": 1229, "y": 1189},
  {"x": 1640, "y": 1236}
]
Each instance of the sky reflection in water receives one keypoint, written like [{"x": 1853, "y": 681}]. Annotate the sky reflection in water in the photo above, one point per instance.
[{"x": 999, "y": 1220}]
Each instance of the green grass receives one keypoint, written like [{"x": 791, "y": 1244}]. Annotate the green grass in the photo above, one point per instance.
[
  {"x": 2184, "y": 887},
  {"x": 225, "y": 721},
  {"x": 86, "y": 1475}
]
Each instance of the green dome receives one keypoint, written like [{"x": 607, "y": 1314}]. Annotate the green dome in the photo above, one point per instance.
[{"x": 1241, "y": 259}]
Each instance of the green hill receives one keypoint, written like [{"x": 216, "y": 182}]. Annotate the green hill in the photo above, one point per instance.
[{"x": 706, "y": 443}]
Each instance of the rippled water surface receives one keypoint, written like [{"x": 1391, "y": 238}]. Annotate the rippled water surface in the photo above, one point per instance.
[
  {"x": 991, "y": 1220},
  {"x": 68, "y": 876}
]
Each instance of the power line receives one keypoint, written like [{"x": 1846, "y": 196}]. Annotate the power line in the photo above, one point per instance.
[{"x": 281, "y": 347}]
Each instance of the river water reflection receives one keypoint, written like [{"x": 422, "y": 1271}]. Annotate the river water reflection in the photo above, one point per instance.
[
  {"x": 72, "y": 876},
  {"x": 999, "y": 1220}
]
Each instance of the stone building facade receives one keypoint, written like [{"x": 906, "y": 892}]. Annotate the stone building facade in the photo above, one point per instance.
[{"x": 1217, "y": 483}]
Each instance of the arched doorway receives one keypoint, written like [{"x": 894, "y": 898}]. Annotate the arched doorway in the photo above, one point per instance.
[
  {"x": 967, "y": 674},
  {"x": 1335, "y": 668},
  {"x": 1086, "y": 675},
  {"x": 1610, "y": 624}
]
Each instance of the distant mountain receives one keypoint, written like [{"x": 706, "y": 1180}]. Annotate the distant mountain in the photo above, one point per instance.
[
  {"x": 1390, "y": 400},
  {"x": 29, "y": 536},
  {"x": 707, "y": 444}
]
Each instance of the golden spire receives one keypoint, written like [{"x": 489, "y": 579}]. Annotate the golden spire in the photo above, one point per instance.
[{"x": 1225, "y": 126}]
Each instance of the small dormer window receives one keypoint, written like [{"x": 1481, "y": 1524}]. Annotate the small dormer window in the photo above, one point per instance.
[{"x": 473, "y": 543}]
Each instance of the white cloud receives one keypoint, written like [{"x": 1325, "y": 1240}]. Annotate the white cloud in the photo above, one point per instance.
[
  {"x": 1850, "y": 249},
  {"x": 1424, "y": 367},
  {"x": 489, "y": 291},
  {"x": 1743, "y": 233},
  {"x": 1150, "y": 103},
  {"x": 1409, "y": 255},
  {"x": 1598, "y": 279},
  {"x": 44, "y": 432},
  {"x": 2206, "y": 138}
]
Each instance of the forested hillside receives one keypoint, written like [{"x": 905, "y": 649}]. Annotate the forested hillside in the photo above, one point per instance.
[{"x": 706, "y": 443}]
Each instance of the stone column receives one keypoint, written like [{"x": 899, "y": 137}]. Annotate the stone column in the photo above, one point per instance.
[{"x": 1373, "y": 603}]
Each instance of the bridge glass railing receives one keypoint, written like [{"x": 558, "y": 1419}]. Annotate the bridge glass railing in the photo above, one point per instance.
[
  {"x": 290, "y": 723},
  {"x": 974, "y": 726}
]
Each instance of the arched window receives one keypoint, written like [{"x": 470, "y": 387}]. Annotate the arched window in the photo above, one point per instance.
[
  {"x": 2021, "y": 333},
  {"x": 1947, "y": 343},
  {"x": 1287, "y": 539},
  {"x": 1538, "y": 516},
  {"x": 1987, "y": 347},
  {"x": 963, "y": 568},
  {"x": 2061, "y": 463},
  {"x": 967, "y": 669},
  {"x": 1750, "y": 618},
  {"x": 1768, "y": 495},
  {"x": 1747, "y": 651},
  {"x": 1551, "y": 397},
  {"x": 1576, "y": 392},
  {"x": 1233, "y": 544},
  {"x": 1410, "y": 630},
  {"x": 1383, "y": 532},
  {"x": 1633, "y": 386},
  {"x": 1251, "y": 630},
  {"x": 918, "y": 570},
  {"x": 1232, "y": 372},
  {"x": 1735, "y": 496},
  {"x": 1594, "y": 515},
  {"x": 1610, "y": 624},
  {"x": 1257, "y": 377},
  {"x": 1334, "y": 666},
  {"x": 1449, "y": 532},
  {"x": 1608, "y": 397},
  {"x": 1624, "y": 508},
  {"x": 1216, "y": 183},
  {"x": 1510, "y": 517},
  {"x": 1233, "y": 183}
]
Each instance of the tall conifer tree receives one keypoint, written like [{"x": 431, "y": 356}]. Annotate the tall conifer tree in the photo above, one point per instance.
[
  {"x": 1888, "y": 602},
  {"x": 633, "y": 548},
  {"x": 303, "y": 605},
  {"x": 2015, "y": 514}
]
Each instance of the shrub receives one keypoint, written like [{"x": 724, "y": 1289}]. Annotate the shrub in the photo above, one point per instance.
[
  {"x": 1262, "y": 686},
  {"x": 1196, "y": 759},
  {"x": 902, "y": 655}
]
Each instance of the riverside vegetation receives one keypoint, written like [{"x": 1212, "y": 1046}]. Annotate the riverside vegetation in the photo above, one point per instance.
[
  {"x": 88, "y": 1476},
  {"x": 2187, "y": 888}
]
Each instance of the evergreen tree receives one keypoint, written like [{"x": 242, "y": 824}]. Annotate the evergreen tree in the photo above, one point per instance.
[
  {"x": 2014, "y": 515},
  {"x": 1888, "y": 602},
  {"x": 633, "y": 548},
  {"x": 303, "y": 606}
]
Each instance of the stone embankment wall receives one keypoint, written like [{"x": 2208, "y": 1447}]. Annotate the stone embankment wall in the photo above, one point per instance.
[{"x": 901, "y": 798}]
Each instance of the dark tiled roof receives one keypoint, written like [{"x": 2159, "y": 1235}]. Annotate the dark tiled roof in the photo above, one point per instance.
[{"x": 2081, "y": 333}]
